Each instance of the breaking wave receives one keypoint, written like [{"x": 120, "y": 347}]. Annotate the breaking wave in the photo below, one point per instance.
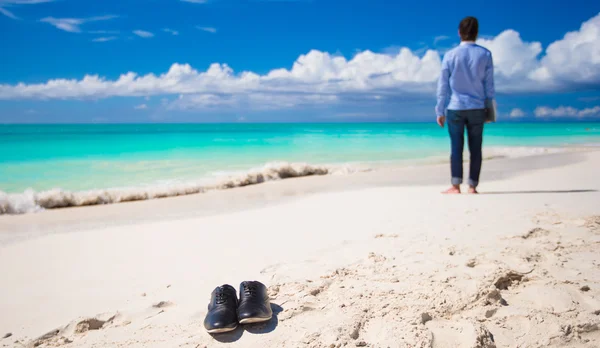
[
  {"x": 523, "y": 151},
  {"x": 31, "y": 201}
]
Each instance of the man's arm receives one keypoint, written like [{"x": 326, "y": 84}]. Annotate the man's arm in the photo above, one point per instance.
[
  {"x": 443, "y": 89},
  {"x": 488, "y": 83}
]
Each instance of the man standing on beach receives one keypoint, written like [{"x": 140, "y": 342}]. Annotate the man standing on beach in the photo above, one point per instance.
[{"x": 466, "y": 82}]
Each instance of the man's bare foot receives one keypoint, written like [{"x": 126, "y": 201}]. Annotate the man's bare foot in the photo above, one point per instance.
[
  {"x": 473, "y": 190},
  {"x": 452, "y": 191}
]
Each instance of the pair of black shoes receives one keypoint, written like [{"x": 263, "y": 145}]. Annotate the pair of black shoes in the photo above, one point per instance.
[{"x": 225, "y": 311}]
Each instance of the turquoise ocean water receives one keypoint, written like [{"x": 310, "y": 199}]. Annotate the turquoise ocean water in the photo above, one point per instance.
[{"x": 37, "y": 158}]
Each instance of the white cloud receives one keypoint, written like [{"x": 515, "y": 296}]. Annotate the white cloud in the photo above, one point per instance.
[
  {"x": 256, "y": 101},
  {"x": 67, "y": 24},
  {"x": 575, "y": 58},
  {"x": 196, "y": 1},
  {"x": 208, "y": 29},
  {"x": 171, "y": 31},
  {"x": 73, "y": 25},
  {"x": 517, "y": 113},
  {"x": 514, "y": 59},
  {"x": 570, "y": 63},
  {"x": 23, "y": 2},
  {"x": 143, "y": 33},
  {"x": 595, "y": 111},
  {"x": 104, "y": 39},
  {"x": 566, "y": 111},
  {"x": 8, "y": 14},
  {"x": 103, "y": 32},
  {"x": 140, "y": 107},
  {"x": 314, "y": 73},
  {"x": 8, "y": 3},
  {"x": 320, "y": 77},
  {"x": 437, "y": 39}
]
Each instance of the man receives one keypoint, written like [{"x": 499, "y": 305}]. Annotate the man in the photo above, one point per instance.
[{"x": 466, "y": 82}]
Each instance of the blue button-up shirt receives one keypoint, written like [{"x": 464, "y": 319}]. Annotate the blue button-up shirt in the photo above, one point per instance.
[{"x": 467, "y": 79}]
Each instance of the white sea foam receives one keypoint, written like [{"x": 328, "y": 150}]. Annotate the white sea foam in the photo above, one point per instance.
[
  {"x": 522, "y": 151},
  {"x": 31, "y": 201}
]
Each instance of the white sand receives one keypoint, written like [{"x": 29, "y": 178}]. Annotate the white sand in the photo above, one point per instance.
[{"x": 376, "y": 267}]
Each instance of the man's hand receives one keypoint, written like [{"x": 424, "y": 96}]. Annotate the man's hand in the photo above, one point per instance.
[{"x": 441, "y": 120}]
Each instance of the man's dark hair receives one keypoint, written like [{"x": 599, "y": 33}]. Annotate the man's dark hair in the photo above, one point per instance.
[{"x": 468, "y": 29}]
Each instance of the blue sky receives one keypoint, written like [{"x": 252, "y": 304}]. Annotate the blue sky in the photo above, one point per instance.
[{"x": 285, "y": 61}]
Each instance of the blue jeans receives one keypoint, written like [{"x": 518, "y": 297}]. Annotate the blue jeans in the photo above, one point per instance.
[{"x": 473, "y": 120}]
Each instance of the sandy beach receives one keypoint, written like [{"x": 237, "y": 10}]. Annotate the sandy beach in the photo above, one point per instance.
[{"x": 378, "y": 259}]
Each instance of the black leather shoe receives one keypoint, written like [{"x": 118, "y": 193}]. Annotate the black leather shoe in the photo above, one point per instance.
[
  {"x": 222, "y": 310},
  {"x": 254, "y": 304}
]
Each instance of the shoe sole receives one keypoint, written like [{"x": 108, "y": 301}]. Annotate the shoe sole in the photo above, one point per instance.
[
  {"x": 254, "y": 320},
  {"x": 223, "y": 330}
]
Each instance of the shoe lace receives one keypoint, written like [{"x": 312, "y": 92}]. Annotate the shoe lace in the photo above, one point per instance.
[
  {"x": 250, "y": 290},
  {"x": 221, "y": 296}
]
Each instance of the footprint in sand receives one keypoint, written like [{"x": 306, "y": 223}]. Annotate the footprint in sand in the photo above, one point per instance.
[
  {"x": 471, "y": 263},
  {"x": 291, "y": 312},
  {"x": 381, "y": 235},
  {"x": 490, "y": 312},
  {"x": 45, "y": 338},
  {"x": 425, "y": 317},
  {"x": 534, "y": 258},
  {"x": 507, "y": 280},
  {"x": 98, "y": 322},
  {"x": 315, "y": 292},
  {"x": 377, "y": 258},
  {"x": 488, "y": 298},
  {"x": 270, "y": 269},
  {"x": 273, "y": 291},
  {"x": 355, "y": 333},
  {"x": 569, "y": 331},
  {"x": 163, "y": 304},
  {"x": 535, "y": 233},
  {"x": 462, "y": 334},
  {"x": 89, "y": 325},
  {"x": 62, "y": 336},
  {"x": 593, "y": 223}
]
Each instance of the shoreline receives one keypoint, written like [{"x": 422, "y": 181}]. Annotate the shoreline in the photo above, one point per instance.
[
  {"x": 215, "y": 202},
  {"x": 31, "y": 201}
]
